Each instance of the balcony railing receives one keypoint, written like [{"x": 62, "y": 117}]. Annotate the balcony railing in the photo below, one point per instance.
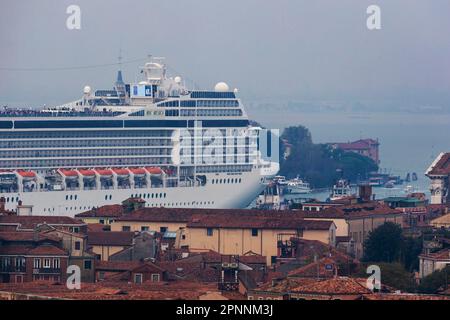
[
  {"x": 47, "y": 271},
  {"x": 8, "y": 269}
]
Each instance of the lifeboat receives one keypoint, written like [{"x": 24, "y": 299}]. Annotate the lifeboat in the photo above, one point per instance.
[
  {"x": 154, "y": 170},
  {"x": 121, "y": 172},
  {"x": 26, "y": 175},
  {"x": 70, "y": 174},
  {"x": 138, "y": 171},
  {"x": 87, "y": 173},
  {"x": 104, "y": 172}
]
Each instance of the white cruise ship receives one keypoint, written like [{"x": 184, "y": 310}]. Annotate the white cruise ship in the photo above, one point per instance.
[{"x": 155, "y": 139}]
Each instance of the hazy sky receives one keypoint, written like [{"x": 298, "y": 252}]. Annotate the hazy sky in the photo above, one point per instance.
[{"x": 294, "y": 49}]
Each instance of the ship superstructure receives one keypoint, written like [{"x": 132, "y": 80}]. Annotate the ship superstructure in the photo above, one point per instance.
[{"x": 154, "y": 139}]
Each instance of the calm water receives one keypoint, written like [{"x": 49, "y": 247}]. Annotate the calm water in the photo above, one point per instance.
[{"x": 408, "y": 142}]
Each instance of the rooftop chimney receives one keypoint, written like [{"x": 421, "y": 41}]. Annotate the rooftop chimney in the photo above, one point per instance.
[
  {"x": 365, "y": 192},
  {"x": 2, "y": 204}
]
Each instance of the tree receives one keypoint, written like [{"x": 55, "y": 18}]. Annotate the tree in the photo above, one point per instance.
[
  {"x": 393, "y": 275},
  {"x": 411, "y": 249},
  {"x": 435, "y": 282},
  {"x": 384, "y": 244},
  {"x": 317, "y": 163}
]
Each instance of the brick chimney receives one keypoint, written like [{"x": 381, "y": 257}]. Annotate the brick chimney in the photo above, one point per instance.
[
  {"x": 2, "y": 204},
  {"x": 365, "y": 192}
]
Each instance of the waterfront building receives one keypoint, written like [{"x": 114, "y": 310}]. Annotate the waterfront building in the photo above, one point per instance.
[
  {"x": 439, "y": 173},
  {"x": 364, "y": 147}
]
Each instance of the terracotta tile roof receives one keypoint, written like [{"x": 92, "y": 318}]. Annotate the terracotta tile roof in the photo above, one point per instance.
[
  {"x": 30, "y": 222},
  {"x": 107, "y": 211},
  {"x": 116, "y": 266},
  {"x": 42, "y": 250},
  {"x": 158, "y": 215},
  {"x": 185, "y": 215},
  {"x": 332, "y": 286},
  {"x": 259, "y": 222},
  {"x": 353, "y": 211},
  {"x": 441, "y": 166},
  {"x": 110, "y": 238},
  {"x": 117, "y": 290},
  {"x": 307, "y": 249},
  {"x": 439, "y": 255},
  {"x": 253, "y": 259},
  {"x": 403, "y": 296},
  {"x": 323, "y": 268},
  {"x": 98, "y": 227},
  {"x": 26, "y": 236}
]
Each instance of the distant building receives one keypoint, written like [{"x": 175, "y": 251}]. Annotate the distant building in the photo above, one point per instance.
[
  {"x": 441, "y": 222},
  {"x": 30, "y": 256},
  {"x": 364, "y": 147},
  {"x": 431, "y": 262},
  {"x": 67, "y": 235},
  {"x": 30, "y": 223},
  {"x": 260, "y": 234},
  {"x": 439, "y": 173},
  {"x": 106, "y": 243},
  {"x": 356, "y": 220}
]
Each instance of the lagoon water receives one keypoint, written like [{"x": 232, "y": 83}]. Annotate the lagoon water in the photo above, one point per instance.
[{"x": 409, "y": 142}]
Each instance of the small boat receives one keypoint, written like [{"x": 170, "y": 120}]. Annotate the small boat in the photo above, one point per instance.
[
  {"x": 68, "y": 174},
  {"x": 341, "y": 190},
  {"x": 409, "y": 189},
  {"x": 389, "y": 185},
  {"x": 297, "y": 186},
  {"x": 121, "y": 172},
  {"x": 138, "y": 171},
  {"x": 280, "y": 180}
]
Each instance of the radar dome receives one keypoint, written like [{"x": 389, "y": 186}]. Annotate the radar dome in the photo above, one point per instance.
[
  {"x": 177, "y": 79},
  {"x": 221, "y": 87},
  {"x": 87, "y": 90}
]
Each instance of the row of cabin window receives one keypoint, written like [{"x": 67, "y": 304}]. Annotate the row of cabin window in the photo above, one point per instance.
[
  {"x": 84, "y": 152},
  {"x": 148, "y": 195},
  {"x": 229, "y": 180},
  {"x": 91, "y": 162},
  {"x": 12, "y": 199}
]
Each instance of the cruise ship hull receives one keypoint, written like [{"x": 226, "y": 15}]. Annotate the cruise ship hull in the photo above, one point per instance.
[{"x": 70, "y": 203}]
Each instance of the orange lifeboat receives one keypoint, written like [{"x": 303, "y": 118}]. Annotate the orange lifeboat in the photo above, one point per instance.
[
  {"x": 104, "y": 172},
  {"x": 137, "y": 171},
  {"x": 26, "y": 174},
  {"x": 68, "y": 173},
  {"x": 87, "y": 172},
  {"x": 154, "y": 170},
  {"x": 121, "y": 171}
]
